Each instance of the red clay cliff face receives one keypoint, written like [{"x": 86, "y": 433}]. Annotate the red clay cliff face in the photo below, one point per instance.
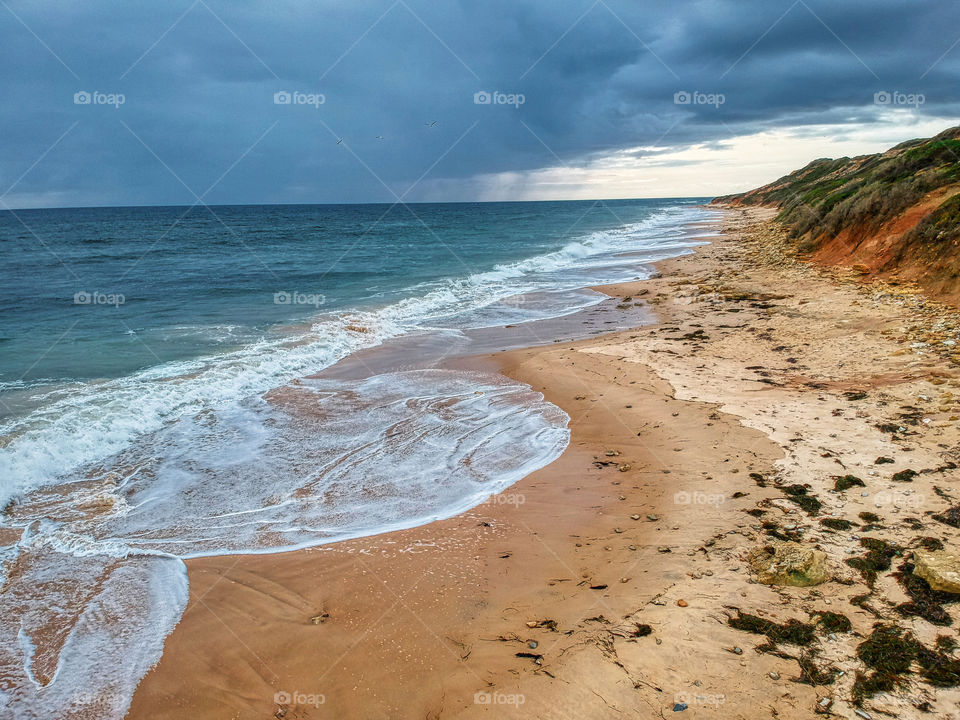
[
  {"x": 892, "y": 216},
  {"x": 886, "y": 254}
]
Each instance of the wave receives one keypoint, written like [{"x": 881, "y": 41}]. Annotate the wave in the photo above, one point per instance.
[{"x": 96, "y": 421}]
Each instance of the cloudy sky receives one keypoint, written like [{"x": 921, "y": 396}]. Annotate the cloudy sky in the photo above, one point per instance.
[{"x": 108, "y": 102}]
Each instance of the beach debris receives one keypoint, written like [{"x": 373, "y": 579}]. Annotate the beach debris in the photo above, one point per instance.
[
  {"x": 320, "y": 619},
  {"x": 536, "y": 657},
  {"x": 845, "y": 482},
  {"x": 663, "y": 549},
  {"x": 789, "y": 563},
  {"x": 623, "y": 468},
  {"x": 358, "y": 328},
  {"x": 940, "y": 569},
  {"x": 600, "y": 586},
  {"x": 545, "y": 624},
  {"x": 624, "y": 579},
  {"x": 612, "y": 453}
]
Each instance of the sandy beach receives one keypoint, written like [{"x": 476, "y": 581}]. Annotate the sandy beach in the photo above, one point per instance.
[{"x": 603, "y": 585}]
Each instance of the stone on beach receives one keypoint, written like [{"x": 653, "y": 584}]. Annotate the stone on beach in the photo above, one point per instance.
[
  {"x": 941, "y": 569},
  {"x": 789, "y": 563}
]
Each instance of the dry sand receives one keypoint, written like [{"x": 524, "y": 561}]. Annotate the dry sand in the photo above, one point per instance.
[{"x": 535, "y": 604}]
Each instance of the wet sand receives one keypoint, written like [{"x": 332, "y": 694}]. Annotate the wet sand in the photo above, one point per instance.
[{"x": 538, "y": 603}]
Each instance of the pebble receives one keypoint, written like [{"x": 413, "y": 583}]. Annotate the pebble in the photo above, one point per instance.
[
  {"x": 634, "y": 517},
  {"x": 532, "y": 644},
  {"x": 617, "y": 530},
  {"x": 652, "y": 518},
  {"x": 679, "y": 707},
  {"x": 774, "y": 676},
  {"x": 624, "y": 580},
  {"x": 663, "y": 549},
  {"x": 862, "y": 713},
  {"x": 738, "y": 651},
  {"x": 631, "y": 547},
  {"x": 682, "y": 603}
]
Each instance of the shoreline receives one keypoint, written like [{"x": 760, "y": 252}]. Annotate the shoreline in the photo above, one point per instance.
[{"x": 427, "y": 622}]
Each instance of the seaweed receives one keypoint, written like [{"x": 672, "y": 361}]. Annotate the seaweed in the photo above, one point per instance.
[
  {"x": 951, "y": 517},
  {"x": 758, "y": 479},
  {"x": 845, "y": 482},
  {"x": 792, "y": 632},
  {"x": 810, "y": 674},
  {"x": 878, "y": 556},
  {"x": 930, "y": 543},
  {"x": 905, "y": 475},
  {"x": 869, "y": 517},
  {"x": 795, "y": 490},
  {"x": 836, "y": 523},
  {"x": 946, "y": 644},
  {"x": 808, "y": 503},
  {"x": 883, "y": 460},
  {"x": 756, "y": 512},
  {"x": 833, "y": 622},
  {"x": 924, "y": 602}
]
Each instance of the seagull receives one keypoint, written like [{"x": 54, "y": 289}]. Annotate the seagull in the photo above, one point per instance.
[
  {"x": 431, "y": 124},
  {"x": 339, "y": 141},
  {"x": 379, "y": 137}
]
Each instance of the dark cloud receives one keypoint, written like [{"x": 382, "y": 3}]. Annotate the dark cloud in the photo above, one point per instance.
[{"x": 199, "y": 82}]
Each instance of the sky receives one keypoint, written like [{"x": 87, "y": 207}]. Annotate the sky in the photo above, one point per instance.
[{"x": 108, "y": 102}]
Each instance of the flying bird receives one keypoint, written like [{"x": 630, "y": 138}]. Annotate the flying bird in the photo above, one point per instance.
[
  {"x": 339, "y": 141},
  {"x": 431, "y": 124},
  {"x": 379, "y": 137}
]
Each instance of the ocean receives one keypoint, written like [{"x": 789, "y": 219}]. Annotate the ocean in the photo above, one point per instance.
[{"x": 160, "y": 397}]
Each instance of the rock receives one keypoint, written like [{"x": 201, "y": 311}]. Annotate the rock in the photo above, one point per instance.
[
  {"x": 624, "y": 580},
  {"x": 941, "y": 569},
  {"x": 682, "y": 603},
  {"x": 862, "y": 713},
  {"x": 679, "y": 707},
  {"x": 532, "y": 644},
  {"x": 623, "y": 468},
  {"x": 789, "y": 563},
  {"x": 652, "y": 518},
  {"x": 617, "y": 530},
  {"x": 774, "y": 676},
  {"x": 663, "y": 549},
  {"x": 634, "y": 517}
]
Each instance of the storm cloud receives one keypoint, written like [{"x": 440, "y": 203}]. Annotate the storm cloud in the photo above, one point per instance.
[{"x": 117, "y": 103}]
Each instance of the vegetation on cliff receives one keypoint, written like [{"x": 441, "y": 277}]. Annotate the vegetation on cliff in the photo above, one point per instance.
[{"x": 894, "y": 213}]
